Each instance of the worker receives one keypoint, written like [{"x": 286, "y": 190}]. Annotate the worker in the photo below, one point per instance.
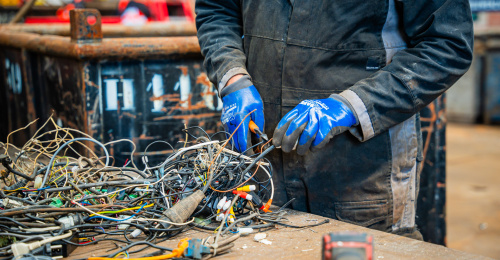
[{"x": 340, "y": 85}]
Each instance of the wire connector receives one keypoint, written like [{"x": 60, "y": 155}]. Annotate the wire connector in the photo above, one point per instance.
[
  {"x": 247, "y": 188},
  {"x": 19, "y": 249},
  {"x": 195, "y": 249},
  {"x": 10, "y": 203},
  {"x": 243, "y": 194},
  {"x": 266, "y": 207},
  {"x": 221, "y": 202}
]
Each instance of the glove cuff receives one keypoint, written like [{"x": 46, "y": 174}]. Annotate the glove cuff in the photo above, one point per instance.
[
  {"x": 343, "y": 100},
  {"x": 243, "y": 82}
]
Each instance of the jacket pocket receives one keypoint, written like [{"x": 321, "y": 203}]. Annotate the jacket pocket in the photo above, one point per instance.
[{"x": 362, "y": 213}]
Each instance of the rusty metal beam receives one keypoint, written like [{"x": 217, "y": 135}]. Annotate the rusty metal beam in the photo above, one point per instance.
[
  {"x": 118, "y": 48},
  {"x": 152, "y": 29}
]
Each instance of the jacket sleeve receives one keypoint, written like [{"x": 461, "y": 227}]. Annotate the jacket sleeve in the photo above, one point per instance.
[
  {"x": 219, "y": 25},
  {"x": 440, "y": 41}
]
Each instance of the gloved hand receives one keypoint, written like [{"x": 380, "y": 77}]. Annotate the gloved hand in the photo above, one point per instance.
[
  {"x": 313, "y": 123},
  {"x": 239, "y": 99}
]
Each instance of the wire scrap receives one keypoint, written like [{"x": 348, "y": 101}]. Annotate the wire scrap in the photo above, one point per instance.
[{"x": 63, "y": 186}]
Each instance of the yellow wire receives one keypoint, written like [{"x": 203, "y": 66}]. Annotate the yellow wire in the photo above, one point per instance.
[
  {"x": 17, "y": 130},
  {"x": 60, "y": 169},
  {"x": 215, "y": 231},
  {"x": 121, "y": 253},
  {"x": 60, "y": 177},
  {"x": 17, "y": 189},
  {"x": 121, "y": 210},
  {"x": 202, "y": 180}
]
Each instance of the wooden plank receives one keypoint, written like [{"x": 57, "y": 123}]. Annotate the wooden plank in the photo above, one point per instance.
[{"x": 303, "y": 243}]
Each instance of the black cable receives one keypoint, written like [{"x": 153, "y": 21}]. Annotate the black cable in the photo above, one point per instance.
[
  {"x": 155, "y": 142},
  {"x": 5, "y": 163},
  {"x": 294, "y": 226},
  {"x": 186, "y": 130},
  {"x": 2, "y": 195},
  {"x": 139, "y": 243},
  {"x": 14, "y": 221},
  {"x": 94, "y": 242}
]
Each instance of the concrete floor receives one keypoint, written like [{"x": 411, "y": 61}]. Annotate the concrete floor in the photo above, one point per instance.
[{"x": 473, "y": 189}]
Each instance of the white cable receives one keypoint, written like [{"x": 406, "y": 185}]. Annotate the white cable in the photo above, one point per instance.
[
  {"x": 272, "y": 183},
  {"x": 181, "y": 151},
  {"x": 135, "y": 185},
  {"x": 19, "y": 249},
  {"x": 49, "y": 168},
  {"x": 131, "y": 154},
  {"x": 164, "y": 221},
  {"x": 38, "y": 244},
  {"x": 40, "y": 229}
]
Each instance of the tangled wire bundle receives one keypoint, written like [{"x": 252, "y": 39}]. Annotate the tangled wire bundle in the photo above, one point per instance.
[{"x": 55, "y": 195}]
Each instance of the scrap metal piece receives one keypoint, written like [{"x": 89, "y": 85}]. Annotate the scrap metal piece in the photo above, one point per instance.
[{"x": 85, "y": 26}]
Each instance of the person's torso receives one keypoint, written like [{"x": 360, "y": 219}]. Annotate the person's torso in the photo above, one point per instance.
[{"x": 311, "y": 49}]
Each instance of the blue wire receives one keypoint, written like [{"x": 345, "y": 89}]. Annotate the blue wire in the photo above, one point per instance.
[
  {"x": 101, "y": 228},
  {"x": 227, "y": 225},
  {"x": 141, "y": 207}
]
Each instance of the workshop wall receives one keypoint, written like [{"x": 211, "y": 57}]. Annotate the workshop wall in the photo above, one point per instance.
[{"x": 141, "y": 100}]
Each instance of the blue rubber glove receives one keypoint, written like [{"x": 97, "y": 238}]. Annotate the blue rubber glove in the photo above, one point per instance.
[
  {"x": 239, "y": 99},
  {"x": 313, "y": 123}
]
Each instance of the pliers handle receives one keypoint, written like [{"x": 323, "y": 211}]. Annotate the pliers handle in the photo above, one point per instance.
[{"x": 255, "y": 129}]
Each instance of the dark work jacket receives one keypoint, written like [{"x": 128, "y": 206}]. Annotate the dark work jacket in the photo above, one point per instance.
[{"x": 387, "y": 58}]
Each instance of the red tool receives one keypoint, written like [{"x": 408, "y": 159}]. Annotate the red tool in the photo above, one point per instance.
[{"x": 338, "y": 246}]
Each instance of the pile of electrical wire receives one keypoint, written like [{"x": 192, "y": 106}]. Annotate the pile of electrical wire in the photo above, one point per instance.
[{"x": 54, "y": 198}]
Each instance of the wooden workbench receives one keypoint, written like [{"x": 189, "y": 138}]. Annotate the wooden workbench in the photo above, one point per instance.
[{"x": 304, "y": 243}]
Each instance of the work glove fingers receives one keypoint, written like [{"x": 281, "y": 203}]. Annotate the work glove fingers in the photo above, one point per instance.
[
  {"x": 324, "y": 133},
  {"x": 293, "y": 132},
  {"x": 324, "y": 137},
  {"x": 242, "y": 136},
  {"x": 280, "y": 130},
  {"x": 309, "y": 133}
]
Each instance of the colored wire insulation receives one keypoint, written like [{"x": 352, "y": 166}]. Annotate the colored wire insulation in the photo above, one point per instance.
[{"x": 88, "y": 195}]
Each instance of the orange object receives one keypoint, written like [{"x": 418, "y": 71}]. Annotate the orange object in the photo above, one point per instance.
[
  {"x": 266, "y": 207},
  {"x": 253, "y": 127},
  {"x": 243, "y": 194},
  {"x": 62, "y": 13},
  {"x": 178, "y": 252}
]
